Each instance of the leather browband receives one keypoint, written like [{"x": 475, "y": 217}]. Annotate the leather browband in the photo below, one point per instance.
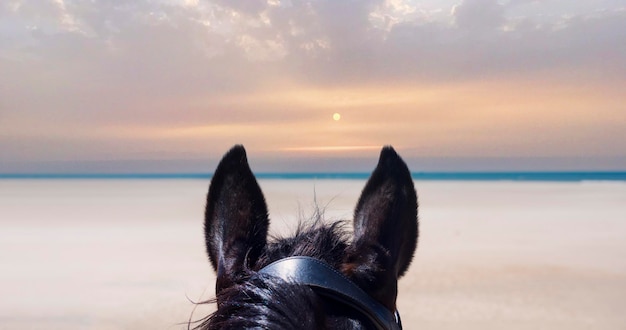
[{"x": 332, "y": 284}]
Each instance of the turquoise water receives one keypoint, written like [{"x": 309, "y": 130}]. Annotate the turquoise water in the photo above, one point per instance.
[{"x": 444, "y": 176}]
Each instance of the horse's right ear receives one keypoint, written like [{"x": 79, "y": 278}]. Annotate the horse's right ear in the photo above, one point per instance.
[{"x": 236, "y": 221}]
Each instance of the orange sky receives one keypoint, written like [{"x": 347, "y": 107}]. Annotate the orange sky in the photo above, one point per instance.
[{"x": 181, "y": 82}]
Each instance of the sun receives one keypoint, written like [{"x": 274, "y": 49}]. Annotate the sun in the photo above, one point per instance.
[{"x": 336, "y": 116}]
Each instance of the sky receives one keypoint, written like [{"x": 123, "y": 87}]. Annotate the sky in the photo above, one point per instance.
[{"x": 169, "y": 86}]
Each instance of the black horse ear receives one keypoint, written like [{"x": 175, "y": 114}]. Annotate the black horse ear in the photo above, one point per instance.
[
  {"x": 235, "y": 220},
  {"x": 385, "y": 229}
]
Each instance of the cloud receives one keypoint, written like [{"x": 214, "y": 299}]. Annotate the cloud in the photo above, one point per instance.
[
  {"x": 224, "y": 47},
  {"x": 243, "y": 6},
  {"x": 479, "y": 14},
  {"x": 96, "y": 68}
]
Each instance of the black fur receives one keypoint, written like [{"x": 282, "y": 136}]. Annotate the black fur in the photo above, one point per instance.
[{"x": 374, "y": 255}]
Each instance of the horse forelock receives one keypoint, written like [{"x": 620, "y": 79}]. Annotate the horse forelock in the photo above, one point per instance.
[{"x": 262, "y": 301}]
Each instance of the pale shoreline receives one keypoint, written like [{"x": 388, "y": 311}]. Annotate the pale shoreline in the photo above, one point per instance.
[{"x": 116, "y": 254}]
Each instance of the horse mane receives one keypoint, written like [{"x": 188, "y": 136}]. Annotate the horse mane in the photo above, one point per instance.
[
  {"x": 261, "y": 301},
  {"x": 265, "y": 302}
]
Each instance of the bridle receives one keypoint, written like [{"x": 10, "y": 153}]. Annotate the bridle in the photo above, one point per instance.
[{"x": 331, "y": 284}]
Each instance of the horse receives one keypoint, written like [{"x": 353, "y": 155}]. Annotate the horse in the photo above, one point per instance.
[{"x": 325, "y": 276}]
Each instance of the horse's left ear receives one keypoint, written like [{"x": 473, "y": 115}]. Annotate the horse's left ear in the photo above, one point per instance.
[
  {"x": 385, "y": 229},
  {"x": 236, "y": 221}
]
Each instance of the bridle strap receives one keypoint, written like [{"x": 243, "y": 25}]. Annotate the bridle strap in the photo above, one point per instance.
[{"x": 332, "y": 284}]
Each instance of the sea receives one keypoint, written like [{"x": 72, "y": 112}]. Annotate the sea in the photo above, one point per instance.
[{"x": 427, "y": 176}]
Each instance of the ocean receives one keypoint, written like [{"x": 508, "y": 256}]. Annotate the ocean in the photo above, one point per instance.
[{"x": 443, "y": 176}]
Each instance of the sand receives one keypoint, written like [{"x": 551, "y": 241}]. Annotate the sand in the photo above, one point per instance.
[{"x": 120, "y": 254}]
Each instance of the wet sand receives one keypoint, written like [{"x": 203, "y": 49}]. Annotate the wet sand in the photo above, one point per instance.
[{"x": 122, "y": 254}]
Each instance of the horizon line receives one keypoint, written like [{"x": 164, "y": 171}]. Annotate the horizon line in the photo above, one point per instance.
[{"x": 422, "y": 175}]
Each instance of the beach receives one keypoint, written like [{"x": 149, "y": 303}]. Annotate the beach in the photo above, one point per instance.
[{"x": 129, "y": 254}]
